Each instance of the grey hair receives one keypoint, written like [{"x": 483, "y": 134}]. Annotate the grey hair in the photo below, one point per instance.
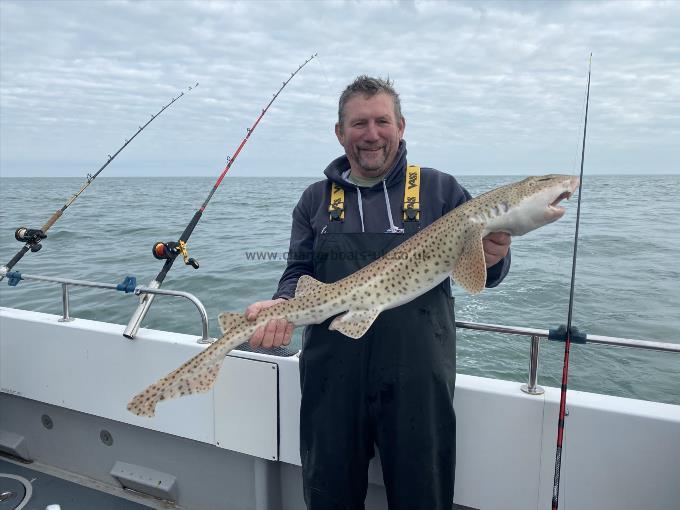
[{"x": 369, "y": 87}]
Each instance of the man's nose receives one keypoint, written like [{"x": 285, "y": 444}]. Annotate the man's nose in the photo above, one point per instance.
[{"x": 371, "y": 132}]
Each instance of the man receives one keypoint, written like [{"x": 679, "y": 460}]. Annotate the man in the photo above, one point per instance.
[{"x": 393, "y": 387}]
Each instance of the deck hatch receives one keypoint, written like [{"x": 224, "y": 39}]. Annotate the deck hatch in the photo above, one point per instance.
[
  {"x": 146, "y": 480},
  {"x": 14, "y": 444}
]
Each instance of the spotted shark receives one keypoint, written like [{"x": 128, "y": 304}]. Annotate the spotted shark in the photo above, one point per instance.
[{"x": 449, "y": 247}]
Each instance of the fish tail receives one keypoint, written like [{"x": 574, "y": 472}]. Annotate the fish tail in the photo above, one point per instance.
[{"x": 197, "y": 375}]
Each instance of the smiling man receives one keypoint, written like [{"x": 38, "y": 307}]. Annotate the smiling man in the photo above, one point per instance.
[
  {"x": 370, "y": 128},
  {"x": 393, "y": 388}
]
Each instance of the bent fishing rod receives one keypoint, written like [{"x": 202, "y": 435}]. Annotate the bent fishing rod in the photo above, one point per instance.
[
  {"x": 32, "y": 237},
  {"x": 569, "y": 333},
  {"x": 169, "y": 251}
]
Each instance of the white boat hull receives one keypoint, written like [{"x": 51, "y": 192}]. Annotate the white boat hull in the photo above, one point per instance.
[{"x": 237, "y": 446}]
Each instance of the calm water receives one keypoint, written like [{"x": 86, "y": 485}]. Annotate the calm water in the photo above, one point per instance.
[{"x": 628, "y": 274}]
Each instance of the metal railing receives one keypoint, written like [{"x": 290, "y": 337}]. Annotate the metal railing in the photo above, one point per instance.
[
  {"x": 532, "y": 388},
  {"x": 127, "y": 286},
  {"x": 536, "y": 334}
]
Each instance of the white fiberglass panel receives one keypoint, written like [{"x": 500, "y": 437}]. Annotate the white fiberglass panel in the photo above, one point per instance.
[
  {"x": 246, "y": 407},
  {"x": 88, "y": 366}
]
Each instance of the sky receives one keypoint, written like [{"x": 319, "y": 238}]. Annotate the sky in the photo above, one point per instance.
[{"x": 486, "y": 87}]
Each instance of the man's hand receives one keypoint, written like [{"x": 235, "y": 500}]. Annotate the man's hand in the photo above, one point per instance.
[
  {"x": 496, "y": 246},
  {"x": 275, "y": 333}
]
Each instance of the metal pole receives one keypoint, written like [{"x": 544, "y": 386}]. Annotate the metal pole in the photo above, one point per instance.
[
  {"x": 532, "y": 388},
  {"x": 64, "y": 303}
]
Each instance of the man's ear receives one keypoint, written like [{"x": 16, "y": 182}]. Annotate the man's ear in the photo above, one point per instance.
[
  {"x": 339, "y": 133},
  {"x": 402, "y": 127}
]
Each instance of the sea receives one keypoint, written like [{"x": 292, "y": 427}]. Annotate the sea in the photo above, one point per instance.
[{"x": 627, "y": 274}]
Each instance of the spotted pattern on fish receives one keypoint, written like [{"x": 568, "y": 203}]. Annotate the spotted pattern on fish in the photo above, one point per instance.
[{"x": 451, "y": 246}]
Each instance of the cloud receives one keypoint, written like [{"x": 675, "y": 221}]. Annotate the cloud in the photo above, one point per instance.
[{"x": 494, "y": 87}]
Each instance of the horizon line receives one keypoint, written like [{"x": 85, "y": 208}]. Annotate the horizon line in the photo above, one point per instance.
[{"x": 314, "y": 176}]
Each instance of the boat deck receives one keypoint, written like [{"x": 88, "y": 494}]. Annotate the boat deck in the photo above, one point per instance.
[{"x": 33, "y": 489}]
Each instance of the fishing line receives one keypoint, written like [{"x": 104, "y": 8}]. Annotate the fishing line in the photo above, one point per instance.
[
  {"x": 323, "y": 71},
  {"x": 568, "y": 339},
  {"x": 32, "y": 237},
  {"x": 169, "y": 251}
]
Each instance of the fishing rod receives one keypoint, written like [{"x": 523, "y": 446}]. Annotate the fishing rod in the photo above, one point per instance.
[
  {"x": 569, "y": 333},
  {"x": 32, "y": 237},
  {"x": 169, "y": 251}
]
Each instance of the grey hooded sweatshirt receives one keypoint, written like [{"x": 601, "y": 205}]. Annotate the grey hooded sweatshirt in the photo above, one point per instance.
[{"x": 376, "y": 209}]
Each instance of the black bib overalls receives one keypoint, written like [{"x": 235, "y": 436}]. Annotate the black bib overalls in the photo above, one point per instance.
[{"x": 392, "y": 387}]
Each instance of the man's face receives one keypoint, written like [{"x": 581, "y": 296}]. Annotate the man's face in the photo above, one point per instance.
[{"x": 370, "y": 134}]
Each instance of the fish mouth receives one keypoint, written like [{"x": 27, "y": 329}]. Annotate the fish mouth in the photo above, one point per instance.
[
  {"x": 571, "y": 186},
  {"x": 565, "y": 195}
]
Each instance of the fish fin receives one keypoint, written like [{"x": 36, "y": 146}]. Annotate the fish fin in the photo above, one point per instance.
[
  {"x": 354, "y": 323},
  {"x": 306, "y": 284},
  {"x": 228, "y": 320},
  {"x": 197, "y": 375},
  {"x": 470, "y": 269}
]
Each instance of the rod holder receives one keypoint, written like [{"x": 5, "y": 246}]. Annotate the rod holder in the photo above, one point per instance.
[
  {"x": 64, "y": 304},
  {"x": 150, "y": 292},
  {"x": 532, "y": 388},
  {"x": 145, "y": 301}
]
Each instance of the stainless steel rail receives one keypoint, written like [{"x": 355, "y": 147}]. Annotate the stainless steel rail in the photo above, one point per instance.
[
  {"x": 592, "y": 339},
  {"x": 536, "y": 334},
  {"x": 138, "y": 291}
]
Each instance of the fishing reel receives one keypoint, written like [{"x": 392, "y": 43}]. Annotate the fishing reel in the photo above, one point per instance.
[
  {"x": 170, "y": 250},
  {"x": 31, "y": 236}
]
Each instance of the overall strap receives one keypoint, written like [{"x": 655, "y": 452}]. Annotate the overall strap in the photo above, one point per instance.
[
  {"x": 336, "y": 208},
  {"x": 411, "y": 207}
]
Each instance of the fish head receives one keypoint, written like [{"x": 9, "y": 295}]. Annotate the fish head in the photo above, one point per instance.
[{"x": 526, "y": 205}]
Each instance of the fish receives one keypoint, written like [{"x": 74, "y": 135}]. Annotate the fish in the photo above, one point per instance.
[{"x": 449, "y": 247}]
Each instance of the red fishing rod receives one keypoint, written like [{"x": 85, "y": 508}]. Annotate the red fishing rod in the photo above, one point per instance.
[
  {"x": 569, "y": 334},
  {"x": 33, "y": 237},
  {"x": 169, "y": 251}
]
